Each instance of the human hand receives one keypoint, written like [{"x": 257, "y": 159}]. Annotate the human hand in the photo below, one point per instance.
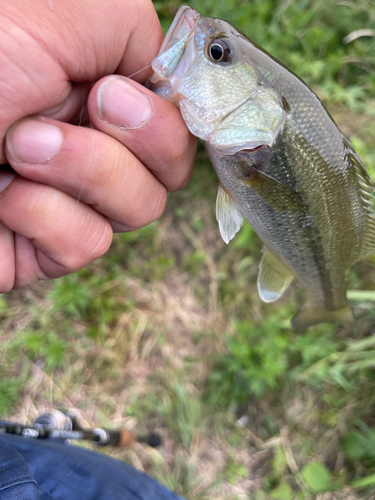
[{"x": 76, "y": 185}]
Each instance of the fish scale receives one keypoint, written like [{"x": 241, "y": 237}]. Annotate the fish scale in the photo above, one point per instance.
[{"x": 282, "y": 163}]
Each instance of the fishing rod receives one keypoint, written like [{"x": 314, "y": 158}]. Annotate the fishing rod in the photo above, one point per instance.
[{"x": 63, "y": 425}]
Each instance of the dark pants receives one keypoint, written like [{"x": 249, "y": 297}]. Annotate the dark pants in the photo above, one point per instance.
[{"x": 50, "y": 470}]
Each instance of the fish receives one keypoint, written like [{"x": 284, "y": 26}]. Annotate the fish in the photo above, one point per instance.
[{"x": 282, "y": 162}]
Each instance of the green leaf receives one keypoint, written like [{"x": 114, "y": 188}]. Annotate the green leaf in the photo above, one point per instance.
[
  {"x": 317, "y": 477},
  {"x": 364, "y": 481},
  {"x": 282, "y": 492},
  {"x": 354, "y": 445},
  {"x": 363, "y": 344},
  {"x": 359, "y": 445},
  {"x": 3, "y": 304},
  {"x": 361, "y": 295},
  {"x": 279, "y": 463}
]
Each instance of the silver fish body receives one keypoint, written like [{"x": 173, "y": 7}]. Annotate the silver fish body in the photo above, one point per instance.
[{"x": 282, "y": 162}]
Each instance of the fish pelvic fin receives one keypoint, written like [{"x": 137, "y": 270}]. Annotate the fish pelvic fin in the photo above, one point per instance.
[
  {"x": 228, "y": 216},
  {"x": 309, "y": 317},
  {"x": 274, "y": 277}
]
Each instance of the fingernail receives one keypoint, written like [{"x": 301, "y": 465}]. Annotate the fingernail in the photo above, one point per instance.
[
  {"x": 34, "y": 141},
  {"x": 5, "y": 179},
  {"x": 121, "y": 104}
]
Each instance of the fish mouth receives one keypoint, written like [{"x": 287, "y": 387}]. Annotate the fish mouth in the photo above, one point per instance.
[
  {"x": 182, "y": 25},
  {"x": 172, "y": 54},
  {"x": 250, "y": 150}
]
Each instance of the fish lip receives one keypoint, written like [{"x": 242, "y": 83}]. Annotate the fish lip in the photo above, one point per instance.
[
  {"x": 173, "y": 50},
  {"x": 186, "y": 18}
]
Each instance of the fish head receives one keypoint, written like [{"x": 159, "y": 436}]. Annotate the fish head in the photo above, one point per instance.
[{"x": 205, "y": 68}]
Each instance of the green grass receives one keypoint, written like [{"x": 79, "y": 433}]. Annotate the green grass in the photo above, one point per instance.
[{"x": 167, "y": 332}]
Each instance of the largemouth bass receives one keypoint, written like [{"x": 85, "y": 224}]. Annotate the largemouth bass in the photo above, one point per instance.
[{"x": 282, "y": 162}]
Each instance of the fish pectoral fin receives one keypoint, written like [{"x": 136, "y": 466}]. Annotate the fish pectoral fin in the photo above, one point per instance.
[
  {"x": 228, "y": 216},
  {"x": 275, "y": 194},
  {"x": 309, "y": 317},
  {"x": 273, "y": 278}
]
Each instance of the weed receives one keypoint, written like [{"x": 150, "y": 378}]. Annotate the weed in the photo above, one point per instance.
[
  {"x": 70, "y": 295},
  {"x": 183, "y": 412},
  {"x": 48, "y": 346},
  {"x": 255, "y": 363},
  {"x": 10, "y": 389}
]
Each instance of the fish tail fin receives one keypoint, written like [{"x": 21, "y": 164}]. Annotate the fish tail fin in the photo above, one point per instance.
[{"x": 309, "y": 317}]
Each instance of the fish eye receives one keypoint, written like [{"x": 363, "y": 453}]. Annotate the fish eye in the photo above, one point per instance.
[{"x": 219, "y": 51}]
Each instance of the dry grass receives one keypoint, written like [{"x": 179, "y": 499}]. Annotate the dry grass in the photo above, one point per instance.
[{"x": 163, "y": 344}]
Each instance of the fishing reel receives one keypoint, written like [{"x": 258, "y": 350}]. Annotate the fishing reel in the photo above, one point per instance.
[{"x": 63, "y": 425}]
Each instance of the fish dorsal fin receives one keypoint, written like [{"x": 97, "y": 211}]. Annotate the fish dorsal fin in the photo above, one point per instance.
[
  {"x": 366, "y": 190},
  {"x": 273, "y": 278},
  {"x": 368, "y": 245},
  {"x": 228, "y": 216}
]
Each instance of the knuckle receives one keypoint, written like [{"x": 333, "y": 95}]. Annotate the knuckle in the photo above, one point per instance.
[
  {"x": 180, "y": 149},
  {"x": 108, "y": 164},
  {"x": 184, "y": 158},
  {"x": 95, "y": 245},
  {"x": 161, "y": 204},
  {"x": 151, "y": 210},
  {"x": 92, "y": 244},
  {"x": 6, "y": 286},
  {"x": 101, "y": 166},
  {"x": 156, "y": 206},
  {"x": 102, "y": 244},
  {"x": 109, "y": 173}
]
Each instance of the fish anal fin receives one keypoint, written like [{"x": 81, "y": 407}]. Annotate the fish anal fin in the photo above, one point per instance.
[
  {"x": 309, "y": 317},
  {"x": 228, "y": 216},
  {"x": 273, "y": 278}
]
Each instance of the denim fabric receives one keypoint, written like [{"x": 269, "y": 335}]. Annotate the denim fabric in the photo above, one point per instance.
[{"x": 50, "y": 470}]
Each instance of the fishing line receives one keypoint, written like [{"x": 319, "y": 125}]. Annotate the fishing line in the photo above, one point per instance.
[
  {"x": 82, "y": 107},
  {"x": 136, "y": 73},
  {"x": 79, "y": 124}
]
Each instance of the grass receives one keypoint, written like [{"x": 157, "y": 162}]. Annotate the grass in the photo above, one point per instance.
[{"x": 167, "y": 332}]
